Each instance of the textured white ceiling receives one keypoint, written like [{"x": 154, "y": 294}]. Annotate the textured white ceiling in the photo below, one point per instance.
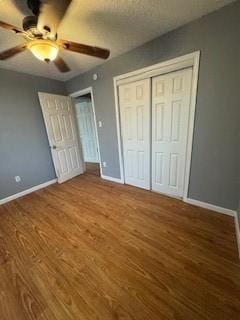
[{"x": 119, "y": 25}]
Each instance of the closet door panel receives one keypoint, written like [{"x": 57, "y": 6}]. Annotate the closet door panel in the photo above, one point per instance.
[
  {"x": 170, "y": 116},
  {"x": 134, "y": 102}
]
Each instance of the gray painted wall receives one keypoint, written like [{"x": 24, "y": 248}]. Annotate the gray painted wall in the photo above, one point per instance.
[
  {"x": 215, "y": 159},
  {"x": 24, "y": 147}
]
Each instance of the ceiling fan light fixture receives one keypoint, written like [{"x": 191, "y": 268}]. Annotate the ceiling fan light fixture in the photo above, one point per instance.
[{"x": 44, "y": 50}]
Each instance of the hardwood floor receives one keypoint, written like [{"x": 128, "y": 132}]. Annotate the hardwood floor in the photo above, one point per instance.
[
  {"x": 91, "y": 249},
  {"x": 93, "y": 168}
]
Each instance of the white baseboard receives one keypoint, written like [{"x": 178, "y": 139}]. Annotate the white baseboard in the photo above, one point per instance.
[
  {"x": 209, "y": 206},
  {"x": 112, "y": 179},
  {"x": 237, "y": 226},
  {"x": 25, "y": 192}
]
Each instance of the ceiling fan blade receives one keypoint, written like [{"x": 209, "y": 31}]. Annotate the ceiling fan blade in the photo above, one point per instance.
[
  {"x": 10, "y": 27},
  {"x": 61, "y": 65},
  {"x": 51, "y": 15},
  {"x": 84, "y": 49},
  {"x": 12, "y": 52}
]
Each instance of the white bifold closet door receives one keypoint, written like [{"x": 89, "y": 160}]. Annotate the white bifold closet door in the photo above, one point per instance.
[
  {"x": 170, "y": 118},
  {"x": 134, "y": 101}
]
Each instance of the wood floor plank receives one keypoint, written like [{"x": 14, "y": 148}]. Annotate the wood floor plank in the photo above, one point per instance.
[{"x": 91, "y": 249}]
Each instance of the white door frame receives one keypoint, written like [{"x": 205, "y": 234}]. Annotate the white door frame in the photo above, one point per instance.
[
  {"x": 186, "y": 61},
  {"x": 83, "y": 92}
]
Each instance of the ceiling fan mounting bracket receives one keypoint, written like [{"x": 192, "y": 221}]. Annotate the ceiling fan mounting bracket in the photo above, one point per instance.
[
  {"x": 47, "y": 29},
  {"x": 16, "y": 31}
]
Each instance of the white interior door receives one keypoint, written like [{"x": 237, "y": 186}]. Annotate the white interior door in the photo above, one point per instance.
[
  {"x": 87, "y": 131},
  {"x": 170, "y": 116},
  {"x": 134, "y": 101},
  {"x": 62, "y": 135}
]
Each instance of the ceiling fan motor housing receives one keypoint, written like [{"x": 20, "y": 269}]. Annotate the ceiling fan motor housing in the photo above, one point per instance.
[{"x": 30, "y": 22}]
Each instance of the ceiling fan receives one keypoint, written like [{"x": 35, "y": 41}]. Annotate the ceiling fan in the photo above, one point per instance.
[{"x": 40, "y": 31}]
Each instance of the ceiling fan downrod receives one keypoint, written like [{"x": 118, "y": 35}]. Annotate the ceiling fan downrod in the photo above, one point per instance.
[{"x": 34, "y": 6}]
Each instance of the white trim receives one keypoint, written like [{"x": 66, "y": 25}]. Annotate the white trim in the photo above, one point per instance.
[
  {"x": 237, "y": 227},
  {"x": 112, "y": 179},
  {"x": 25, "y": 192},
  {"x": 191, "y": 125},
  {"x": 119, "y": 138},
  {"x": 212, "y": 207},
  {"x": 80, "y": 93},
  {"x": 189, "y": 60},
  {"x": 168, "y": 66}
]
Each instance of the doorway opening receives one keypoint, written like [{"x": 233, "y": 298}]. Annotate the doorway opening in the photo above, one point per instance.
[{"x": 87, "y": 131}]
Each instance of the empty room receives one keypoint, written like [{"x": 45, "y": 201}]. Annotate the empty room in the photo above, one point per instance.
[{"x": 119, "y": 160}]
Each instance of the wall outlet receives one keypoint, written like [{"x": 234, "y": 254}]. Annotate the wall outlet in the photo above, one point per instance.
[
  {"x": 104, "y": 164},
  {"x": 100, "y": 124},
  {"x": 17, "y": 179}
]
